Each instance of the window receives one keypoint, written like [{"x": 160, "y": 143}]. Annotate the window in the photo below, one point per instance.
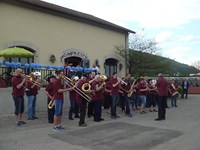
[{"x": 110, "y": 66}]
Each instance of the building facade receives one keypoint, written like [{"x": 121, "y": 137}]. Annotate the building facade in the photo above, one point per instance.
[{"x": 71, "y": 36}]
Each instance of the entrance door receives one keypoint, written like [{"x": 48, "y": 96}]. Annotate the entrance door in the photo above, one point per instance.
[{"x": 75, "y": 61}]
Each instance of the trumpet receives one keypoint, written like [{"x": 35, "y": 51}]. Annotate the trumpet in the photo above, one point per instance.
[
  {"x": 30, "y": 79},
  {"x": 122, "y": 81}
]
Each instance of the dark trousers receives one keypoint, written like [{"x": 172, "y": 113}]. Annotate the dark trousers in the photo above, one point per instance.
[
  {"x": 151, "y": 100},
  {"x": 83, "y": 107},
  {"x": 90, "y": 109},
  {"x": 162, "y": 100},
  {"x": 185, "y": 92},
  {"x": 72, "y": 107},
  {"x": 97, "y": 110},
  {"x": 51, "y": 112},
  {"x": 107, "y": 100}
]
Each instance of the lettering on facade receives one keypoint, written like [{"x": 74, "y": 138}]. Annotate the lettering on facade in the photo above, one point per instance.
[{"x": 73, "y": 54}]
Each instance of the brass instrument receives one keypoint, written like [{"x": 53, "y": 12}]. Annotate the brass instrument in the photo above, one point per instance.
[
  {"x": 51, "y": 104},
  {"x": 30, "y": 79},
  {"x": 81, "y": 93},
  {"x": 122, "y": 81},
  {"x": 133, "y": 90},
  {"x": 176, "y": 94},
  {"x": 130, "y": 93},
  {"x": 86, "y": 88}
]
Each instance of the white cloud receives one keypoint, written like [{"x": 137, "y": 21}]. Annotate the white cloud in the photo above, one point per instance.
[
  {"x": 150, "y": 14},
  {"x": 163, "y": 36}
]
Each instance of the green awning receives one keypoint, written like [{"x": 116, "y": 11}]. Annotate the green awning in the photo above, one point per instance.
[{"x": 16, "y": 52}]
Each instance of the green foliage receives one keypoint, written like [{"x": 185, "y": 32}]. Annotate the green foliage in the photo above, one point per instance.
[{"x": 145, "y": 64}]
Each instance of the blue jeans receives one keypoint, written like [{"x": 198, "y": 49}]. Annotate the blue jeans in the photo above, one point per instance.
[
  {"x": 134, "y": 100},
  {"x": 115, "y": 99},
  {"x": 31, "y": 106},
  {"x": 58, "y": 107},
  {"x": 143, "y": 99}
]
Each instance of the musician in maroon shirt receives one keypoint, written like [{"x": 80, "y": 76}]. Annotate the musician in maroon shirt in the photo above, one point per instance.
[
  {"x": 72, "y": 97},
  {"x": 49, "y": 91},
  {"x": 98, "y": 86},
  {"x": 91, "y": 79},
  {"x": 172, "y": 89},
  {"x": 114, "y": 81},
  {"x": 59, "y": 88},
  {"x": 143, "y": 89},
  {"x": 162, "y": 89},
  {"x": 32, "y": 87},
  {"x": 126, "y": 87},
  {"x": 81, "y": 100},
  {"x": 18, "y": 84}
]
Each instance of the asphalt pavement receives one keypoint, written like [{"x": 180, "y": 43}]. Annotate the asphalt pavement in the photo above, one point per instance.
[{"x": 180, "y": 131}]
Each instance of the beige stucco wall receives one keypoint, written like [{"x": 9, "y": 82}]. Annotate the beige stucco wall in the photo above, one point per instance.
[{"x": 53, "y": 34}]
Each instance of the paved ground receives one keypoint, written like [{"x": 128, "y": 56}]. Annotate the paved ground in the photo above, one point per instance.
[{"x": 180, "y": 131}]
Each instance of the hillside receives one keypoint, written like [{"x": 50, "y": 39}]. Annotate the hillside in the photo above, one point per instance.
[{"x": 142, "y": 63}]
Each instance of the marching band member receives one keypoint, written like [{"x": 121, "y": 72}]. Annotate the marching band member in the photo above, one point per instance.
[
  {"x": 114, "y": 81},
  {"x": 59, "y": 88},
  {"x": 142, "y": 88},
  {"x": 107, "y": 96},
  {"x": 72, "y": 96},
  {"x": 151, "y": 96},
  {"x": 18, "y": 84},
  {"x": 172, "y": 89},
  {"x": 126, "y": 89},
  {"x": 162, "y": 88},
  {"x": 49, "y": 91},
  {"x": 91, "y": 79},
  {"x": 98, "y": 86},
  {"x": 81, "y": 100},
  {"x": 32, "y": 96}
]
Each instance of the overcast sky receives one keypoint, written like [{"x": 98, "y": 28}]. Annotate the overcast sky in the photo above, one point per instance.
[{"x": 175, "y": 24}]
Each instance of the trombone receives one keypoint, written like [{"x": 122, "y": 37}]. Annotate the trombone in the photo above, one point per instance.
[{"x": 81, "y": 93}]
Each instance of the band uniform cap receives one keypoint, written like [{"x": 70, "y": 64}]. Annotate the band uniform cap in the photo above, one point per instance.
[
  {"x": 85, "y": 75},
  {"x": 76, "y": 78}
]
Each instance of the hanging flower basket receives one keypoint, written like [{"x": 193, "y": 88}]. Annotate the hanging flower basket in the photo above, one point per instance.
[{"x": 52, "y": 58}]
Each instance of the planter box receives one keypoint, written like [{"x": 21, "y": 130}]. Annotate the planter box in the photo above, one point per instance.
[{"x": 194, "y": 90}]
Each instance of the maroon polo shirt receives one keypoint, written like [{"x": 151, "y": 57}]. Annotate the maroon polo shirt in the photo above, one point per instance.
[
  {"x": 72, "y": 94},
  {"x": 16, "y": 80},
  {"x": 79, "y": 86},
  {"x": 34, "y": 90},
  {"x": 162, "y": 85},
  {"x": 172, "y": 89},
  {"x": 126, "y": 87},
  {"x": 50, "y": 89},
  {"x": 98, "y": 94},
  {"x": 142, "y": 86},
  {"x": 57, "y": 84},
  {"x": 114, "y": 90},
  {"x": 108, "y": 87}
]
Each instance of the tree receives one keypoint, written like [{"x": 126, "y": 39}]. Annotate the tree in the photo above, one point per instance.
[
  {"x": 140, "y": 56},
  {"x": 196, "y": 64}
]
